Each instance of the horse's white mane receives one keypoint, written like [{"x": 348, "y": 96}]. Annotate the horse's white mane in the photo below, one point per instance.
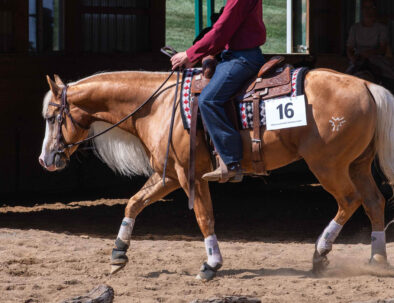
[{"x": 121, "y": 151}]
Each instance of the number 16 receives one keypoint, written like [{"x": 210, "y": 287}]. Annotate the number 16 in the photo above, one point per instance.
[{"x": 289, "y": 112}]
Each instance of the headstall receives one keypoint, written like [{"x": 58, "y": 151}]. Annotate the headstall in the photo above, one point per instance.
[{"x": 64, "y": 111}]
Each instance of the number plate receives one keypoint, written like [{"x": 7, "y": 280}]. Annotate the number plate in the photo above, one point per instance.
[{"x": 285, "y": 112}]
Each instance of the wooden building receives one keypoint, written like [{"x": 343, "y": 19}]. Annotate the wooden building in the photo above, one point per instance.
[{"x": 75, "y": 38}]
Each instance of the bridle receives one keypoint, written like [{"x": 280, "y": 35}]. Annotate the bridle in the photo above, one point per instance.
[{"x": 64, "y": 109}]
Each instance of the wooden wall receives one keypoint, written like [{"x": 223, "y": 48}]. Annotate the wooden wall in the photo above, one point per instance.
[{"x": 23, "y": 86}]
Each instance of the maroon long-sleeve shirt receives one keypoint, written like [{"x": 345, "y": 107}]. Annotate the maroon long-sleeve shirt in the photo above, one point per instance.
[{"x": 239, "y": 27}]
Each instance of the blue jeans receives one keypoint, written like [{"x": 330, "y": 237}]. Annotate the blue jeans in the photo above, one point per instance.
[{"x": 230, "y": 76}]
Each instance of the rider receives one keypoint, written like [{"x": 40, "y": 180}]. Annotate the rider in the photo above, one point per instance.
[{"x": 238, "y": 33}]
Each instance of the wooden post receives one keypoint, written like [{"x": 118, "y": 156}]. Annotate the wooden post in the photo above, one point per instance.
[
  {"x": 307, "y": 42},
  {"x": 73, "y": 31},
  {"x": 21, "y": 23},
  {"x": 210, "y": 11},
  {"x": 40, "y": 26},
  {"x": 198, "y": 16},
  {"x": 289, "y": 27},
  {"x": 157, "y": 20}
]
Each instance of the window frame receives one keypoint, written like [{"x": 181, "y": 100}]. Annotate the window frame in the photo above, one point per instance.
[{"x": 40, "y": 31}]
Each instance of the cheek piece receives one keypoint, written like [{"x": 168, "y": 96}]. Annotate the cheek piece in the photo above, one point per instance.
[{"x": 64, "y": 111}]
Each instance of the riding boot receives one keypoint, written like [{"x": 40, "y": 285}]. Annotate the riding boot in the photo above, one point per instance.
[{"x": 225, "y": 173}]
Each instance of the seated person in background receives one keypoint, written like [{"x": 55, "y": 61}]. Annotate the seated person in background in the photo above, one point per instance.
[{"x": 367, "y": 45}]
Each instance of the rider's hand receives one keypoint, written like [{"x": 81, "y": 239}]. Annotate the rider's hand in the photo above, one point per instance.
[{"x": 180, "y": 60}]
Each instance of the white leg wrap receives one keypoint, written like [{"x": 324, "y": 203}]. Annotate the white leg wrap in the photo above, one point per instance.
[
  {"x": 328, "y": 237},
  {"x": 378, "y": 243},
  {"x": 126, "y": 229},
  {"x": 213, "y": 251}
]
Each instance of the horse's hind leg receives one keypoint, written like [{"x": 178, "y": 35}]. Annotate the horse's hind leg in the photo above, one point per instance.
[
  {"x": 337, "y": 182},
  {"x": 152, "y": 191},
  {"x": 373, "y": 203}
]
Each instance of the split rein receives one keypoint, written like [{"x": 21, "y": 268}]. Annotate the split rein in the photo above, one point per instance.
[{"x": 65, "y": 111}]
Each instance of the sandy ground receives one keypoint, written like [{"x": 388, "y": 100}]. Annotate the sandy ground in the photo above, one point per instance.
[{"x": 38, "y": 265}]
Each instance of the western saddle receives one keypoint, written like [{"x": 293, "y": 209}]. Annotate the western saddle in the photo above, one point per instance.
[{"x": 273, "y": 80}]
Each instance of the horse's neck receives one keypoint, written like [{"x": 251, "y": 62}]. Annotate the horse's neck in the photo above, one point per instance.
[{"x": 110, "y": 97}]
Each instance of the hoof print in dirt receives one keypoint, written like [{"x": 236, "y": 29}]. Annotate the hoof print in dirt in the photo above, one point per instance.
[
  {"x": 229, "y": 299},
  {"x": 99, "y": 294}
]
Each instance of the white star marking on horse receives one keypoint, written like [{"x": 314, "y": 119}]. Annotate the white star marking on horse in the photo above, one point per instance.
[{"x": 336, "y": 123}]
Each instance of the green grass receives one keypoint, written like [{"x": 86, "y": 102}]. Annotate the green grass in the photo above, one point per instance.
[
  {"x": 274, "y": 12},
  {"x": 180, "y": 24}
]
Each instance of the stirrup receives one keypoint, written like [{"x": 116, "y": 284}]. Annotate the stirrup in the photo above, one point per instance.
[
  {"x": 222, "y": 175},
  {"x": 225, "y": 174}
]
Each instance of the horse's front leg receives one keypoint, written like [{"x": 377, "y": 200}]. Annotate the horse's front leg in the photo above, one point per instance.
[
  {"x": 152, "y": 191},
  {"x": 204, "y": 215}
]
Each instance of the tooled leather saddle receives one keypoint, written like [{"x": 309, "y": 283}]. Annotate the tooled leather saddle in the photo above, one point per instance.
[{"x": 270, "y": 82}]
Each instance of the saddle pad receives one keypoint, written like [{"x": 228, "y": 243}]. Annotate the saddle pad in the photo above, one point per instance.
[{"x": 245, "y": 111}]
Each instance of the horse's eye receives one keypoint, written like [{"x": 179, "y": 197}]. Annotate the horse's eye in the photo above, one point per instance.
[
  {"x": 51, "y": 120},
  {"x": 59, "y": 118}
]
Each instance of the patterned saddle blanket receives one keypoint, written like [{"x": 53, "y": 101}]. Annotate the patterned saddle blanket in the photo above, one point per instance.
[{"x": 244, "y": 109}]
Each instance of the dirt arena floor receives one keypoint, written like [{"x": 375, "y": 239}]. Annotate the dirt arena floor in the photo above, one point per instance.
[{"x": 53, "y": 251}]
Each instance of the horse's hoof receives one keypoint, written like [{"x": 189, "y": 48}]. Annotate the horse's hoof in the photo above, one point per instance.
[
  {"x": 118, "y": 264},
  {"x": 116, "y": 268},
  {"x": 378, "y": 260},
  {"x": 207, "y": 272},
  {"x": 320, "y": 263}
]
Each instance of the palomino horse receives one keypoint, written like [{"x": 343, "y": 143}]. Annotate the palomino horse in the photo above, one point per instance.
[{"x": 349, "y": 122}]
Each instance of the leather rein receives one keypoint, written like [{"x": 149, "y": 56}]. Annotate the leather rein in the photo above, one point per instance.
[{"x": 64, "y": 108}]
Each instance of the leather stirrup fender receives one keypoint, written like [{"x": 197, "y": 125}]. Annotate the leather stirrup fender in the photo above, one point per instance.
[
  {"x": 258, "y": 163},
  {"x": 192, "y": 153}
]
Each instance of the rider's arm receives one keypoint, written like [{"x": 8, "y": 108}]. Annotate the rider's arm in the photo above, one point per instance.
[{"x": 216, "y": 39}]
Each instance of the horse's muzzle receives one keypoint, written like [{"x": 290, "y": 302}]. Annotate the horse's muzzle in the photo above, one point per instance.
[
  {"x": 60, "y": 161},
  {"x": 53, "y": 161}
]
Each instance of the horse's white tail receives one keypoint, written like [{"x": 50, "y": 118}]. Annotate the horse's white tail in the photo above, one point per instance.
[{"x": 384, "y": 134}]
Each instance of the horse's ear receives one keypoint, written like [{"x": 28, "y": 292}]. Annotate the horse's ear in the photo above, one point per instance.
[
  {"x": 58, "y": 81},
  {"x": 55, "y": 89}
]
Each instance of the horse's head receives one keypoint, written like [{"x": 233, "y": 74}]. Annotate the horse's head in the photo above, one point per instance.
[{"x": 64, "y": 126}]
